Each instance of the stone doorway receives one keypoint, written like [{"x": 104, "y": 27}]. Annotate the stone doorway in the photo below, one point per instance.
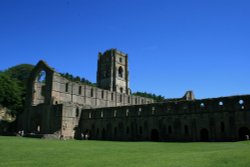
[
  {"x": 155, "y": 135},
  {"x": 204, "y": 135}
]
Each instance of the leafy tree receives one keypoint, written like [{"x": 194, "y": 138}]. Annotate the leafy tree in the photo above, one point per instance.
[
  {"x": 157, "y": 98},
  {"x": 77, "y": 79},
  {"x": 20, "y": 73},
  {"x": 10, "y": 94},
  {"x": 13, "y": 87}
]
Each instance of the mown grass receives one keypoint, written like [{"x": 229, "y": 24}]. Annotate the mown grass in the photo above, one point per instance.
[{"x": 17, "y": 151}]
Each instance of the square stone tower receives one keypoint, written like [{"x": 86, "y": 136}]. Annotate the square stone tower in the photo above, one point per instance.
[{"x": 112, "y": 72}]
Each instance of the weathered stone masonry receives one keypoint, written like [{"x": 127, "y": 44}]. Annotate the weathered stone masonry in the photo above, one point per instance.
[
  {"x": 219, "y": 119},
  {"x": 47, "y": 97},
  {"x": 62, "y": 108}
]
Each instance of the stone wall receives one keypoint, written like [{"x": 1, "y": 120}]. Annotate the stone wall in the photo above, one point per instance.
[
  {"x": 219, "y": 119},
  {"x": 43, "y": 96},
  {"x": 66, "y": 91}
]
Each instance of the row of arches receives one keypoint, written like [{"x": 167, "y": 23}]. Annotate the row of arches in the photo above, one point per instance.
[{"x": 155, "y": 134}]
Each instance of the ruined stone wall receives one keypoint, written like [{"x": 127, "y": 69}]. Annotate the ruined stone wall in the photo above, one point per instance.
[
  {"x": 67, "y": 91},
  {"x": 54, "y": 90},
  {"x": 42, "y": 119},
  {"x": 219, "y": 119}
]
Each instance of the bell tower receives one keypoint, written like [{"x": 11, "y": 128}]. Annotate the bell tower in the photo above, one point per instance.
[{"x": 112, "y": 72}]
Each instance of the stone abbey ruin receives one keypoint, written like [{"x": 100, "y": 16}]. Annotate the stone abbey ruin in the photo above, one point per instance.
[{"x": 59, "y": 107}]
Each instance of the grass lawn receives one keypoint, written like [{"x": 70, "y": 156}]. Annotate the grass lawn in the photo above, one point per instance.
[{"x": 17, "y": 151}]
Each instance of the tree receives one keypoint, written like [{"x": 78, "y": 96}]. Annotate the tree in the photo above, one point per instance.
[
  {"x": 13, "y": 87},
  {"x": 157, "y": 98},
  {"x": 20, "y": 73},
  {"x": 10, "y": 94}
]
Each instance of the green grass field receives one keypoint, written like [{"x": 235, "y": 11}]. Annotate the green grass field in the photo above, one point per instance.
[{"x": 17, "y": 151}]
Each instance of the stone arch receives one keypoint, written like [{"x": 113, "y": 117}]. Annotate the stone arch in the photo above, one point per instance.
[
  {"x": 39, "y": 87},
  {"x": 103, "y": 134},
  {"x": 154, "y": 135},
  {"x": 243, "y": 133},
  {"x": 204, "y": 135},
  {"x": 121, "y": 128}
]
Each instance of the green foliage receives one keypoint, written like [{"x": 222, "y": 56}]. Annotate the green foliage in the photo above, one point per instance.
[
  {"x": 10, "y": 93},
  {"x": 77, "y": 79},
  {"x": 157, "y": 98},
  {"x": 55, "y": 153},
  {"x": 13, "y": 87},
  {"x": 20, "y": 73}
]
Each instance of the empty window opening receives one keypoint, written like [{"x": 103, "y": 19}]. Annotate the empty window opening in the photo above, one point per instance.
[
  {"x": 139, "y": 111},
  {"x": 135, "y": 100},
  {"x": 102, "y": 94},
  {"x": 220, "y": 103},
  {"x": 153, "y": 110},
  {"x": 120, "y": 60},
  {"x": 42, "y": 77},
  {"x": 77, "y": 112},
  {"x": 128, "y": 99},
  {"x": 80, "y": 90},
  {"x": 121, "y": 90},
  {"x": 120, "y": 72},
  {"x": 66, "y": 87},
  {"x": 112, "y": 96},
  {"x": 127, "y": 112},
  {"x": 241, "y": 102},
  {"x": 92, "y": 92}
]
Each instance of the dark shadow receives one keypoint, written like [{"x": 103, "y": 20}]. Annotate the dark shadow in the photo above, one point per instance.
[
  {"x": 243, "y": 133},
  {"x": 154, "y": 135},
  {"x": 204, "y": 135},
  {"x": 103, "y": 134}
]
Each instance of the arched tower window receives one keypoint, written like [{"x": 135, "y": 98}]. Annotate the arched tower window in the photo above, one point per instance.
[{"x": 120, "y": 72}]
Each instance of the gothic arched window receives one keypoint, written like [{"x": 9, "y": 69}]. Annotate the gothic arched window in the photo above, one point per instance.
[{"x": 120, "y": 72}]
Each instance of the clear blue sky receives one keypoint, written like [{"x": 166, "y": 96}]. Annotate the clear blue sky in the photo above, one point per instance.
[{"x": 173, "y": 45}]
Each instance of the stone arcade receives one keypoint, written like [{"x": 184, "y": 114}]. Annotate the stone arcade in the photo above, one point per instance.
[{"x": 61, "y": 108}]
